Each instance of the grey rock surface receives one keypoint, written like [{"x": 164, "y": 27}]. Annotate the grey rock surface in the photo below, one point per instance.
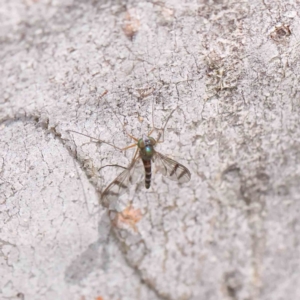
[{"x": 231, "y": 69}]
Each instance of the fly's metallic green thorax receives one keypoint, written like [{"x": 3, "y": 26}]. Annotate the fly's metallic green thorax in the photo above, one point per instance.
[{"x": 146, "y": 146}]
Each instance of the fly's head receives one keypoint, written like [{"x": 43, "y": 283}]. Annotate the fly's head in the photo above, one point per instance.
[{"x": 146, "y": 145}]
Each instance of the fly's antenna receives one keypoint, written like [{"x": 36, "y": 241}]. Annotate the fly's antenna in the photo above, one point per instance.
[
  {"x": 170, "y": 115},
  {"x": 153, "y": 113},
  {"x": 152, "y": 117},
  {"x": 161, "y": 132}
]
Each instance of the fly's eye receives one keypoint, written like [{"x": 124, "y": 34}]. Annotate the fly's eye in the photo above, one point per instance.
[
  {"x": 141, "y": 143},
  {"x": 152, "y": 140}
]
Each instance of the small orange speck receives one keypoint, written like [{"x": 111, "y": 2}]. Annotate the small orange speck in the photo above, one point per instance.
[
  {"x": 131, "y": 24},
  {"x": 129, "y": 216}
]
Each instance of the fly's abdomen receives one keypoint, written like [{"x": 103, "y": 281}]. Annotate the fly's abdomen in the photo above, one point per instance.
[{"x": 147, "y": 166}]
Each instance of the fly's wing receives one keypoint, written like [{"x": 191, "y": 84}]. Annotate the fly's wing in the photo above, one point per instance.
[
  {"x": 120, "y": 185},
  {"x": 171, "y": 168}
]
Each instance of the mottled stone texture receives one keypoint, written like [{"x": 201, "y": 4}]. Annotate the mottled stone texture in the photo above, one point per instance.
[{"x": 232, "y": 70}]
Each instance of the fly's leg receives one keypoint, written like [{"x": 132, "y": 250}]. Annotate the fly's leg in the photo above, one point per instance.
[
  {"x": 153, "y": 126},
  {"x": 114, "y": 165},
  {"x": 123, "y": 125},
  {"x": 104, "y": 142},
  {"x": 161, "y": 131}
]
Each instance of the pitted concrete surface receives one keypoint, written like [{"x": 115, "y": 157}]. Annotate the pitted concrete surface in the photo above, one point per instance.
[{"x": 232, "y": 71}]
